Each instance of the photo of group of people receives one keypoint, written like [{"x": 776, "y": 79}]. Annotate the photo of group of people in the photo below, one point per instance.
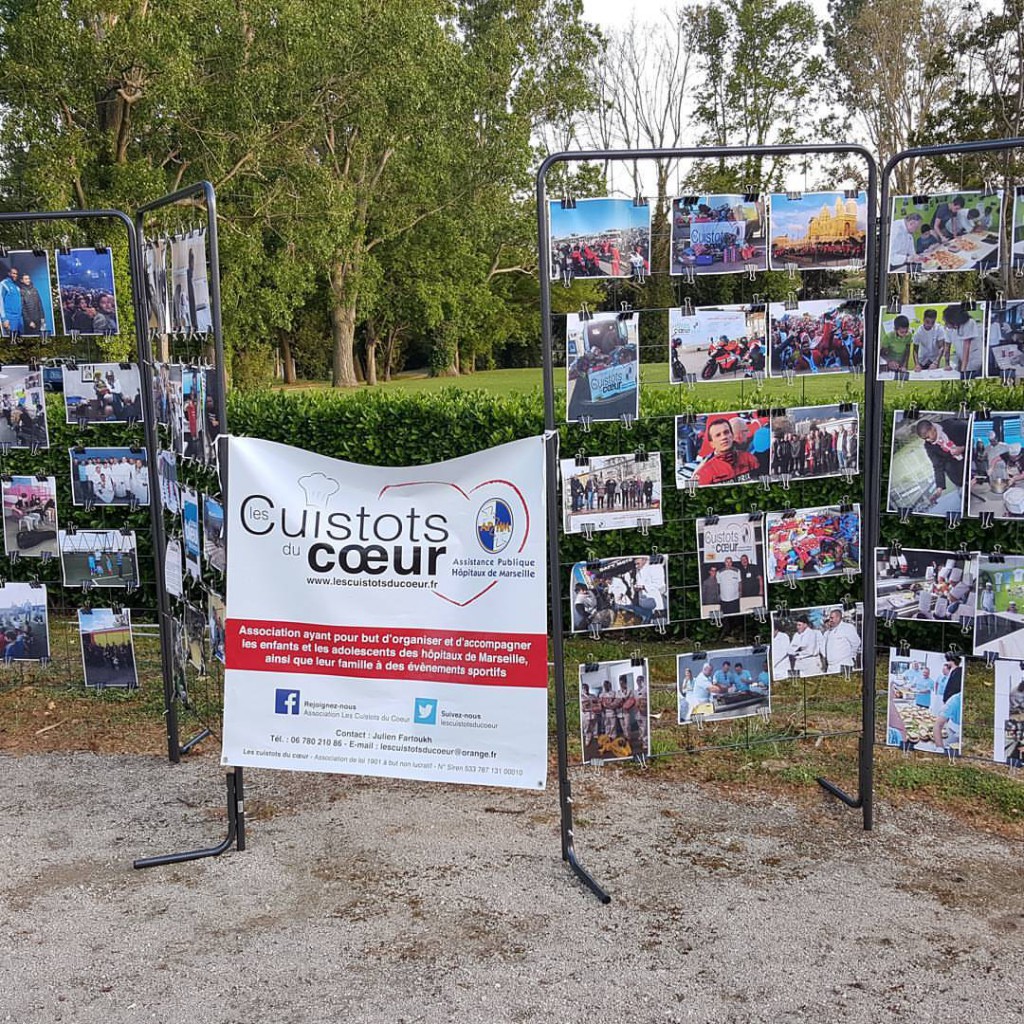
[
  {"x": 997, "y": 466},
  {"x": 88, "y": 299},
  {"x": 214, "y": 553},
  {"x": 26, "y": 298},
  {"x": 23, "y": 408},
  {"x": 627, "y": 592},
  {"x": 716, "y": 343},
  {"x": 927, "y": 471},
  {"x": 614, "y": 710},
  {"x": 719, "y": 234},
  {"x": 818, "y": 230},
  {"x": 945, "y": 233},
  {"x": 810, "y": 542},
  {"x": 108, "y": 653},
  {"x": 602, "y": 367},
  {"x": 936, "y": 341},
  {"x": 109, "y": 476},
  {"x": 30, "y": 516},
  {"x": 719, "y": 448},
  {"x": 595, "y": 238},
  {"x": 999, "y": 618},
  {"x": 190, "y": 298},
  {"x": 729, "y": 550},
  {"x": 1008, "y": 723},
  {"x": 1006, "y": 338},
  {"x": 102, "y": 393},
  {"x": 823, "y": 640},
  {"x": 99, "y": 558},
  {"x": 919, "y": 583},
  {"x": 811, "y": 442},
  {"x": 925, "y": 701},
  {"x": 731, "y": 683},
  {"x": 611, "y": 492},
  {"x": 24, "y": 624},
  {"x": 817, "y": 336}
]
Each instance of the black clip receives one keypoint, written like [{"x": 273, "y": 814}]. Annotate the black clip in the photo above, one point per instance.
[
  {"x": 690, "y": 200},
  {"x": 100, "y": 248},
  {"x": 710, "y": 519},
  {"x": 640, "y": 455},
  {"x": 751, "y": 197},
  {"x": 639, "y": 200},
  {"x": 920, "y": 200},
  {"x": 581, "y": 459},
  {"x": 969, "y": 305},
  {"x": 636, "y": 662},
  {"x": 794, "y": 197},
  {"x": 585, "y": 314},
  {"x": 699, "y": 656},
  {"x": 912, "y": 413},
  {"x": 568, "y": 203},
  {"x": 847, "y": 407},
  {"x": 755, "y": 515},
  {"x": 625, "y": 311},
  {"x": 125, "y": 366},
  {"x": 996, "y": 556}
]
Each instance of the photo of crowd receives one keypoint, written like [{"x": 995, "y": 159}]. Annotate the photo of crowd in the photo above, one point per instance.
[
  {"x": 731, "y": 683},
  {"x": 599, "y": 238},
  {"x": 810, "y": 542},
  {"x": 999, "y": 616},
  {"x": 88, "y": 300},
  {"x": 619, "y": 593},
  {"x": 925, "y": 705},
  {"x": 23, "y": 408},
  {"x": 24, "y": 624},
  {"x": 30, "y": 516},
  {"x": 26, "y": 299},
  {"x": 720, "y": 448},
  {"x": 937, "y": 341},
  {"x": 614, "y": 710},
  {"x": 823, "y": 640},
  {"x": 190, "y": 532},
  {"x": 928, "y": 467},
  {"x": 99, "y": 558},
  {"x": 945, "y": 233},
  {"x": 818, "y": 336},
  {"x": 818, "y": 230},
  {"x": 190, "y": 297},
  {"x": 1008, "y": 720},
  {"x": 108, "y": 653},
  {"x": 716, "y": 343},
  {"x": 997, "y": 466},
  {"x": 109, "y": 476},
  {"x": 918, "y": 583},
  {"x": 216, "y": 617},
  {"x": 154, "y": 253},
  {"x": 719, "y": 234},
  {"x": 1006, "y": 338},
  {"x": 102, "y": 393},
  {"x": 611, "y": 492},
  {"x": 170, "y": 491},
  {"x": 811, "y": 442},
  {"x": 602, "y": 367},
  {"x": 729, "y": 551},
  {"x": 214, "y": 552}
]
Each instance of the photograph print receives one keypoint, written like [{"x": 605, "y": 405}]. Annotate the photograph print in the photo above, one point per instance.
[
  {"x": 193, "y": 413},
  {"x": 23, "y": 408},
  {"x": 730, "y": 551},
  {"x": 806, "y": 543},
  {"x": 216, "y": 618},
  {"x": 602, "y": 367},
  {"x": 948, "y": 232},
  {"x": 614, "y": 710},
  {"x": 190, "y": 292},
  {"x": 30, "y": 516},
  {"x": 1017, "y": 238},
  {"x": 716, "y": 685},
  {"x": 997, "y": 466},
  {"x": 108, "y": 653},
  {"x": 719, "y": 234},
  {"x": 99, "y": 558},
  {"x": 932, "y": 341},
  {"x": 925, "y": 696},
  {"x": 170, "y": 490},
  {"x": 1006, "y": 338},
  {"x": 213, "y": 533},
  {"x": 611, "y": 492},
  {"x": 817, "y": 336},
  {"x": 719, "y": 449},
  {"x": 24, "y": 623},
  {"x": 716, "y": 343},
  {"x": 211, "y": 420},
  {"x": 812, "y": 442},
  {"x": 88, "y": 299},
  {"x": 26, "y": 298},
  {"x": 619, "y": 593},
  {"x": 1008, "y": 719},
  {"x": 999, "y": 615},
  {"x": 190, "y": 531},
  {"x": 109, "y": 476},
  {"x": 918, "y": 583},
  {"x": 818, "y": 230},
  {"x": 599, "y": 238},
  {"x": 928, "y": 468},
  {"x": 102, "y": 393},
  {"x": 158, "y": 296},
  {"x": 195, "y": 637},
  {"x": 823, "y": 640}
]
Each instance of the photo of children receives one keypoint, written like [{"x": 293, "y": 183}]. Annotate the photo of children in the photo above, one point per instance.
[
  {"x": 102, "y": 393},
  {"x": 619, "y": 593},
  {"x": 108, "y": 654},
  {"x": 23, "y": 408},
  {"x": 731, "y": 683},
  {"x": 721, "y": 448},
  {"x": 602, "y": 367},
  {"x": 100, "y": 558},
  {"x": 190, "y": 298},
  {"x": 997, "y": 466},
  {"x": 213, "y": 533},
  {"x": 88, "y": 300},
  {"x": 599, "y": 238},
  {"x": 925, "y": 706},
  {"x": 810, "y": 542},
  {"x": 918, "y": 583},
  {"x": 170, "y": 491},
  {"x": 716, "y": 343},
  {"x": 30, "y": 516},
  {"x": 729, "y": 551},
  {"x": 816, "y": 230},
  {"x": 193, "y": 413},
  {"x": 216, "y": 617},
  {"x": 614, "y": 710},
  {"x": 945, "y": 233},
  {"x": 1008, "y": 720},
  {"x": 26, "y": 300},
  {"x": 158, "y": 299},
  {"x": 929, "y": 463},
  {"x": 811, "y": 442},
  {"x": 190, "y": 532},
  {"x": 823, "y": 640},
  {"x": 24, "y": 624},
  {"x": 1017, "y": 238},
  {"x": 999, "y": 617},
  {"x": 818, "y": 336},
  {"x": 1006, "y": 338},
  {"x": 937, "y": 341},
  {"x": 718, "y": 234},
  {"x": 109, "y": 476},
  {"x": 611, "y": 492}
]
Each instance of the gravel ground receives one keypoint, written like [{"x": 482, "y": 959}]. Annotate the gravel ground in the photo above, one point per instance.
[{"x": 390, "y": 902}]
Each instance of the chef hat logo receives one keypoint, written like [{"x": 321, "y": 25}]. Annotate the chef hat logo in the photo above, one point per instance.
[{"x": 318, "y": 489}]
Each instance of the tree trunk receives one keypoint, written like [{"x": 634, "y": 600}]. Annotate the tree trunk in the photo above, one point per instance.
[
  {"x": 287, "y": 359},
  {"x": 389, "y": 351},
  {"x": 343, "y": 329},
  {"x": 371, "y": 354}
]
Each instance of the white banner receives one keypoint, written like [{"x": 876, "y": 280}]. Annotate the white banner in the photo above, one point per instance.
[{"x": 387, "y": 622}]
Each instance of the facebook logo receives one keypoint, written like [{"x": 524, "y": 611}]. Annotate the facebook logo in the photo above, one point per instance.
[
  {"x": 286, "y": 702},
  {"x": 424, "y": 711}
]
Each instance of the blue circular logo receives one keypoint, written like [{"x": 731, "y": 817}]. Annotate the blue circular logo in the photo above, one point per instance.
[{"x": 494, "y": 525}]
